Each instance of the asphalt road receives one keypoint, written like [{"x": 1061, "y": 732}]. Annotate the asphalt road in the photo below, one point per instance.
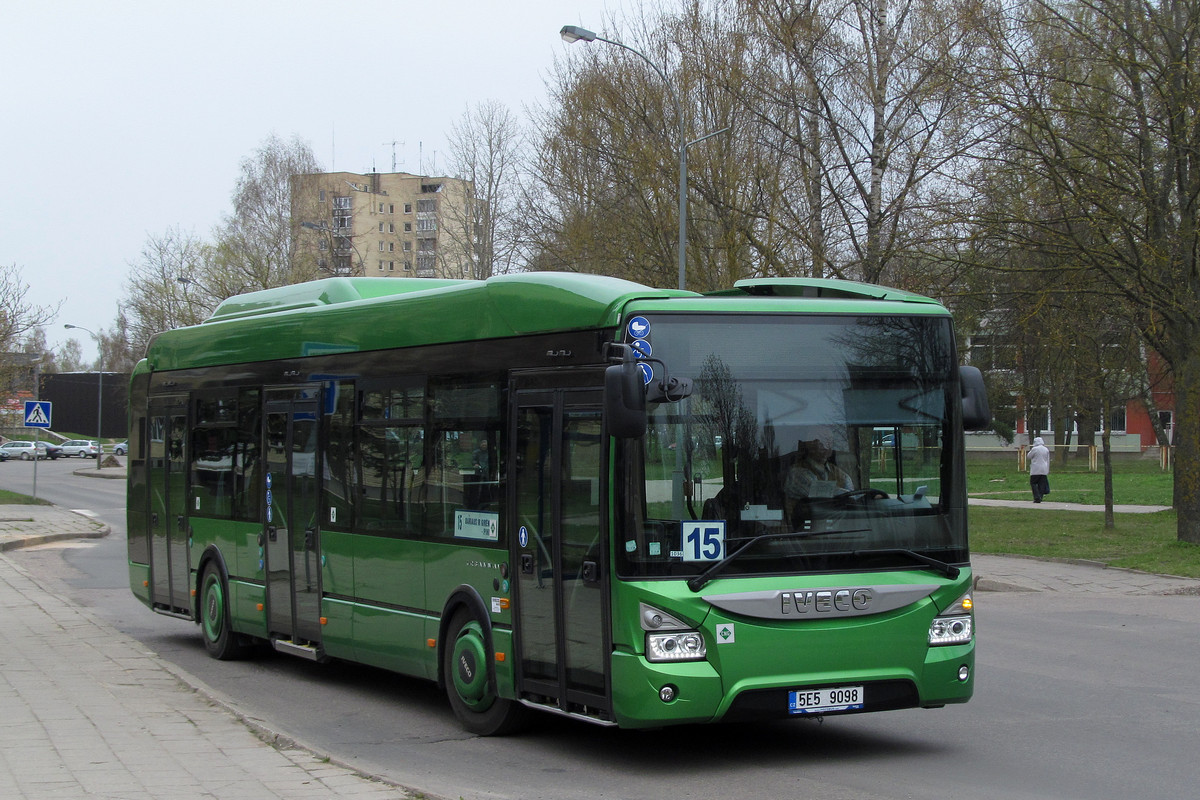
[{"x": 1086, "y": 697}]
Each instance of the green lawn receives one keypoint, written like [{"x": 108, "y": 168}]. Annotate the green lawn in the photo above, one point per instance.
[
  {"x": 1135, "y": 483},
  {"x": 1139, "y": 541},
  {"x": 13, "y": 498}
]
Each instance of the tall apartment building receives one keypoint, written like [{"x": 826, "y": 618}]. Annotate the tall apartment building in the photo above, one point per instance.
[{"x": 385, "y": 224}]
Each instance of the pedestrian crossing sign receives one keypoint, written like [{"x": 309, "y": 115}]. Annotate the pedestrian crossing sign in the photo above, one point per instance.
[{"x": 37, "y": 413}]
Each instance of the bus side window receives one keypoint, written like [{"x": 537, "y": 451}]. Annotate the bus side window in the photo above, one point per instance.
[
  {"x": 341, "y": 485},
  {"x": 212, "y": 469}
]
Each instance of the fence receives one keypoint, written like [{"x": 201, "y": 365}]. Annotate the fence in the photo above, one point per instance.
[{"x": 1079, "y": 458}]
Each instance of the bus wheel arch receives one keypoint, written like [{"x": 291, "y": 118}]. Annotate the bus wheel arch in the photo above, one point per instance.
[
  {"x": 213, "y": 610},
  {"x": 467, "y": 670}
]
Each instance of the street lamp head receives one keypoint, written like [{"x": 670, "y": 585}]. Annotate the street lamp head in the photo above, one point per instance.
[
  {"x": 314, "y": 226},
  {"x": 573, "y": 33}
]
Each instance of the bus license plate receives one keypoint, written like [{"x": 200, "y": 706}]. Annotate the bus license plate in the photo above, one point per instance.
[{"x": 830, "y": 698}]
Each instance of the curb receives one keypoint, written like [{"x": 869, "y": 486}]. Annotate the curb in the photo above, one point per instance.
[
  {"x": 112, "y": 474},
  {"x": 277, "y": 739},
  {"x": 34, "y": 540}
]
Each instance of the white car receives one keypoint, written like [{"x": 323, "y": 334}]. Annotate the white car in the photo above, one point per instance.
[
  {"x": 79, "y": 447},
  {"x": 24, "y": 450}
]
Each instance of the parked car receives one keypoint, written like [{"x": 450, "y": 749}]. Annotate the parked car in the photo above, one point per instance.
[
  {"x": 3, "y": 455},
  {"x": 53, "y": 451},
  {"x": 121, "y": 448},
  {"x": 24, "y": 450},
  {"x": 80, "y": 447}
]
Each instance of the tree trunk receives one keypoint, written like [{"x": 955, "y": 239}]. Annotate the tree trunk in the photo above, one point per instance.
[
  {"x": 1110, "y": 521},
  {"x": 1187, "y": 445}
]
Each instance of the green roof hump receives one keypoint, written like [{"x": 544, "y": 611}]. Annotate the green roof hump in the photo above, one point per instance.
[
  {"x": 821, "y": 287},
  {"x": 340, "y": 315}
]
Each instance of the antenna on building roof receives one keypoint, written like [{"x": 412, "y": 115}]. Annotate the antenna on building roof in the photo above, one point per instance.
[{"x": 393, "y": 143}]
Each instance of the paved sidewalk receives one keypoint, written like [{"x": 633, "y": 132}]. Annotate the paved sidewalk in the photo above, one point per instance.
[
  {"x": 86, "y": 711},
  {"x": 1019, "y": 574},
  {"x": 1050, "y": 505}
]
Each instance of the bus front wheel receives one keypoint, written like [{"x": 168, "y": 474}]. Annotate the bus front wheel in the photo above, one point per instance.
[
  {"x": 219, "y": 639},
  {"x": 466, "y": 665}
]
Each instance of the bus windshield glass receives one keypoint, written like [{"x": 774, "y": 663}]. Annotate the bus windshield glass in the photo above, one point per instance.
[{"x": 808, "y": 444}]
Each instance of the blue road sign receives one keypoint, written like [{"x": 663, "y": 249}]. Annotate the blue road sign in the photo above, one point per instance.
[{"x": 37, "y": 413}]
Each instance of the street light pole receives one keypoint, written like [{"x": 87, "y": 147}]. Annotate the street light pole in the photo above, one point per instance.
[
  {"x": 573, "y": 33},
  {"x": 99, "y": 392}
]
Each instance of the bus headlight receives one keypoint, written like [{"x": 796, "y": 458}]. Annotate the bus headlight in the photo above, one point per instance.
[
  {"x": 950, "y": 630},
  {"x": 675, "y": 646},
  {"x": 954, "y": 625}
]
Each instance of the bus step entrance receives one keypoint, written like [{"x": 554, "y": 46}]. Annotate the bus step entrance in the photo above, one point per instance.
[
  {"x": 169, "y": 611},
  {"x": 307, "y": 651}
]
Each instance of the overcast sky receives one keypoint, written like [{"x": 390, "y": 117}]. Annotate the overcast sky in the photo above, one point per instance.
[{"x": 124, "y": 118}]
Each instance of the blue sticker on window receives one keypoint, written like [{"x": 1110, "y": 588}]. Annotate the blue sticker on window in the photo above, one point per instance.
[{"x": 638, "y": 328}]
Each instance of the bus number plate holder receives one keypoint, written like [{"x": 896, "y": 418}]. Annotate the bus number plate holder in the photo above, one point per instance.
[{"x": 825, "y": 699}]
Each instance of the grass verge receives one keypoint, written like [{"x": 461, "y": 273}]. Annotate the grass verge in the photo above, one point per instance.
[
  {"x": 15, "y": 498},
  {"x": 1139, "y": 541}
]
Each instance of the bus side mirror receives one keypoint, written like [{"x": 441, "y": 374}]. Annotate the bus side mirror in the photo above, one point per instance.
[
  {"x": 625, "y": 399},
  {"x": 976, "y": 413}
]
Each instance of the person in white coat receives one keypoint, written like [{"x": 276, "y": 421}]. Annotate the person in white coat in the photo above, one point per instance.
[{"x": 1039, "y": 469}]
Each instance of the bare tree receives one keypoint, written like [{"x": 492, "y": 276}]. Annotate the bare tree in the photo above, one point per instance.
[
  {"x": 1103, "y": 112},
  {"x": 256, "y": 246},
  {"x": 485, "y": 149},
  {"x": 852, "y": 125},
  {"x": 116, "y": 354},
  {"x": 69, "y": 358},
  {"x": 156, "y": 299},
  {"x": 19, "y": 321},
  {"x": 875, "y": 108},
  {"x": 603, "y": 190}
]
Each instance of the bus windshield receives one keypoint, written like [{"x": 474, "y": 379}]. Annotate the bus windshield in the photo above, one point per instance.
[{"x": 808, "y": 444}]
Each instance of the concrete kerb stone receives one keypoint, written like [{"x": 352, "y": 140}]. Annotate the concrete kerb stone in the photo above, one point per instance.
[
  {"x": 112, "y": 473},
  {"x": 28, "y": 526}
]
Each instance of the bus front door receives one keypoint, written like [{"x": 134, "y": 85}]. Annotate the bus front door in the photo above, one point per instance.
[
  {"x": 559, "y": 551},
  {"x": 290, "y": 530},
  {"x": 167, "y": 465}
]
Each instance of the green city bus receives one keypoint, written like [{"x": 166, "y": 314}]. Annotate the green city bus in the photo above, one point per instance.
[{"x": 570, "y": 493}]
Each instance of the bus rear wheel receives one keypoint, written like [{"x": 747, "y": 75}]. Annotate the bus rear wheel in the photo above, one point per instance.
[
  {"x": 466, "y": 666},
  {"x": 219, "y": 638}
]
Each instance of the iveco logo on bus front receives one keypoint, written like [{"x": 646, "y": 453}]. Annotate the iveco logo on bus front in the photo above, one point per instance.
[
  {"x": 826, "y": 601},
  {"x": 822, "y": 602}
]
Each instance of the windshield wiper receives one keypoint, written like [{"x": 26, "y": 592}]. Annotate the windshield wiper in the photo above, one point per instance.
[
  {"x": 697, "y": 583},
  {"x": 949, "y": 570}
]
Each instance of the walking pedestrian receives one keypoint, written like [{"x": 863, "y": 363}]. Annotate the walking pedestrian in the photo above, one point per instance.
[{"x": 1039, "y": 469}]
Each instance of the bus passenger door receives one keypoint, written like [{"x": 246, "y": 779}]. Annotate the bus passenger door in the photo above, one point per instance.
[
  {"x": 559, "y": 550},
  {"x": 167, "y": 465},
  {"x": 290, "y": 531}
]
